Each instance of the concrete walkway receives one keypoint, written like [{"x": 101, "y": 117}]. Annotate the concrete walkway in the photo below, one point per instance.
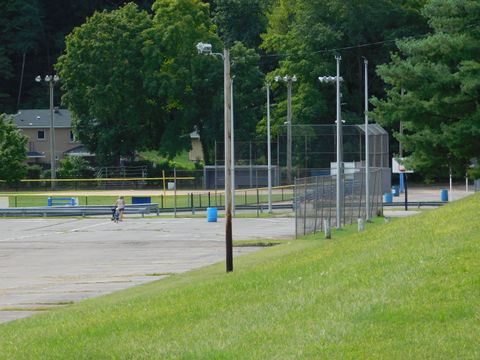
[{"x": 49, "y": 262}]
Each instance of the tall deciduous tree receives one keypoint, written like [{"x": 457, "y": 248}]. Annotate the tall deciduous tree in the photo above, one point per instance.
[
  {"x": 299, "y": 32},
  {"x": 13, "y": 151},
  {"x": 248, "y": 96},
  {"x": 20, "y": 32},
  {"x": 103, "y": 82},
  {"x": 186, "y": 85},
  {"x": 440, "y": 77},
  {"x": 241, "y": 20}
]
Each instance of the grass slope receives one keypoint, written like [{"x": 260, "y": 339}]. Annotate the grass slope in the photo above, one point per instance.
[{"x": 406, "y": 289}]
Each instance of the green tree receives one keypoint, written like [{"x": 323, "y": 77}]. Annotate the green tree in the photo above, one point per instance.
[
  {"x": 440, "y": 77},
  {"x": 297, "y": 35},
  {"x": 186, "y": 86},
  {"x": 103, "y": 82},
  {"x": 248, "y": 96},
  {"x": 20, "y": 32},
  {"x": 241, "y": 20},
  {"x": 13, "y": 151}
]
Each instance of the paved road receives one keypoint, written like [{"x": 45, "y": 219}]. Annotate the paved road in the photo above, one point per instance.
[
  {"x": 432, "y": 193},
  {"x": 47, "y": 262}
]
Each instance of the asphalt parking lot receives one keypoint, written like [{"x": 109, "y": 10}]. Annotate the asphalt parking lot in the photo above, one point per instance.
[{"x": 49, "y": 262}]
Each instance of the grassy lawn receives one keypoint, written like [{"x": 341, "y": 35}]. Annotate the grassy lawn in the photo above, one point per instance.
[
  {"x": 199, "y": 200},
  {"x": 407, "y": 289}
]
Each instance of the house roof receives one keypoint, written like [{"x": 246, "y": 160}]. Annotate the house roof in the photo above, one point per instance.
[
  {"x": 40, "y": 118},
  {"x": 35, "y": 155},
  {"x": 80, "y": 150}
]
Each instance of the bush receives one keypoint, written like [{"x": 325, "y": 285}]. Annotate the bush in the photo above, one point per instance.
[
  {"x": 34, "y": 171},
  {"x": 74, "y": 167},
  {"x": 474, "y": 173}
]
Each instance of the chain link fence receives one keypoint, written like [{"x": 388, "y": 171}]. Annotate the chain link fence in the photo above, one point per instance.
[{"x": 315, "y": 200}]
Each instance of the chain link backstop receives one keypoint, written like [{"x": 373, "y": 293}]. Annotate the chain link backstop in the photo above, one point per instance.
[{"x": 315, "y": 200}]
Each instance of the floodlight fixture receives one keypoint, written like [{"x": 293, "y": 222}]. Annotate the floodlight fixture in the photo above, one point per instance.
[{"x": 204, "y": 48}]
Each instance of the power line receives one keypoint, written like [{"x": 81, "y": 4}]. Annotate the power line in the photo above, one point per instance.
[
  {"x": 345, "y": 47},
  {"x": 360, "y": 45}
]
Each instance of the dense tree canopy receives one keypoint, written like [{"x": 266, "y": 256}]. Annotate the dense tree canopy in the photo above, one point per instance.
[
  {"x": 440, "y": 77},
  {"x": 133, "y": 80},
  {"x": 183, "y": 83},
  {"x": 303, "y": 34},
  {"x": 32, "y": 37},
  {"x": 241, "y": 20}
]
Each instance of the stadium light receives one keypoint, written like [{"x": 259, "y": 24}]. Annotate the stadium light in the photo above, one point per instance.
[
  {"x": 51, "y": 80},
  {"x": 289, "y": 80},
  {"x": 339, "y": 185}
]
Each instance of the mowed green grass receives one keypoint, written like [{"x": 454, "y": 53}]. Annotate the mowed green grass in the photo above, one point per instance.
[
  {"x": 199, "y": 200},
  {"x": 408, "y": 289}
]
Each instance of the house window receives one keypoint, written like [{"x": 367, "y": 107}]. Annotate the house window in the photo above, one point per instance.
[
  {"x": 41, "y": 135},
  {"x": 72, "y": 136}
]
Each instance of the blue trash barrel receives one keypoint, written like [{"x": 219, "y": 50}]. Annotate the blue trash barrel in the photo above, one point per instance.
[
  {"x": 396, "y": 191},
  {"x": 444, "y": 195},
  {"x": 212, "y": 214},
  {"x": 387, "y": 198}
]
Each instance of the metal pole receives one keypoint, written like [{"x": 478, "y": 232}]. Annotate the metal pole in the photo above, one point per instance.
[
  {"x": 269, "y": 152},
  {"x": 175, "y": 192},
  {"x": 289, "y": 131},
  {"x": 228, "y": 159},
  {"x": 232, "y": 148},
  {"x": 339, "y": 148},
  {"x": 367, "y": 155},
  {"x": 400, "y": 150},
  {"x": 52, "y": 139},
  {"x": 450, "y": 180}
]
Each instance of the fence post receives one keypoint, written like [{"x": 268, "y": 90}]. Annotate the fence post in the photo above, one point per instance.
[
  {"x": 326, "y": 226},
  {"x": 315, "y": 203},
  {"x": 305, "y": 206},
  {"x": 200, "y": 200},
  {"x": 175, "y": 192},
  {"x": 361, "y": 224},
  {"x": 361, "y": 196},
  {"x": 258, "y": 203},
  {"x": 295, "y": 205}
]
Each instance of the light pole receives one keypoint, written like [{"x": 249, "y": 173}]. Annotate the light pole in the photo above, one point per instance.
[
  {"x": 206, "y": 49},
  {"x": 400, "y": 150},
  {"x": 269, "y": 152},
  {"x": 367, "y": 151},
  {"x": 232, "y": 147},
  {"x": 339, "y": 188},
  {"x": 51, "y": 80},
  {"x": 289, "y": 80}
]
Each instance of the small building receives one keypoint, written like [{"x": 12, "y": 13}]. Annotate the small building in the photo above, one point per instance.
[
  {"x": 196, "y": 154},
  {"x": 35, "y": 124}
]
